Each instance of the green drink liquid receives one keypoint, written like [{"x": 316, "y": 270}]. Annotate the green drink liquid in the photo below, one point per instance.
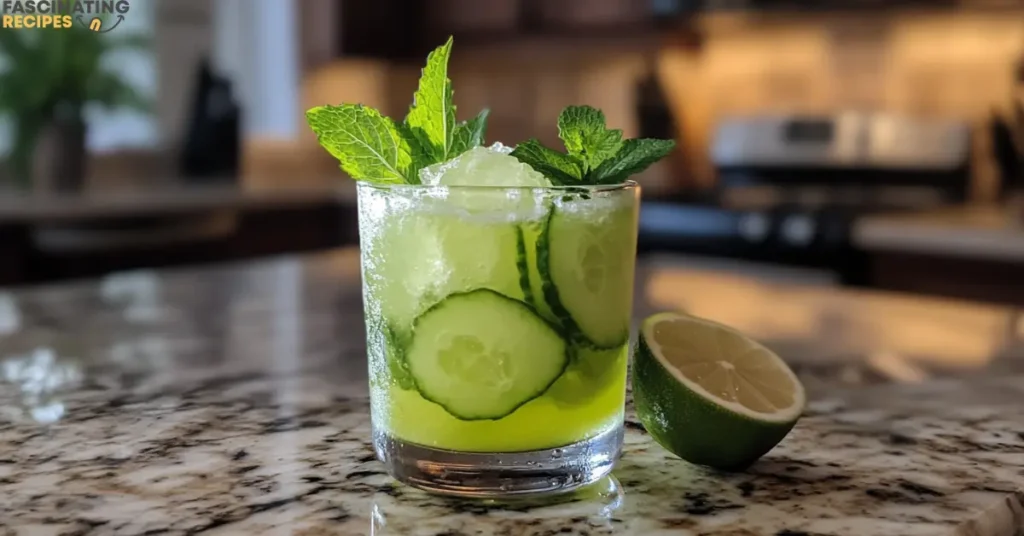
[
  {"x": 541, "y": 423},
  {"x": 497, "y": 318}
]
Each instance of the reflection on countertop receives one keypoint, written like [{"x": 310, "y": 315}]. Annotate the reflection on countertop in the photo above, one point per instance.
[
  {"x": 233, "y": 400},
  {"x": 813, "y": 324}
]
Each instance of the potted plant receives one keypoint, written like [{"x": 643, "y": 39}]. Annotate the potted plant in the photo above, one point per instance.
[{"x": 47, "y": 77}]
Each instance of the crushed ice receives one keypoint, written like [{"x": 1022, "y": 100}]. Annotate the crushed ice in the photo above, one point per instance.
[
  {"x": 498, "y": 147},
  {"x": 484, "y": 166}
]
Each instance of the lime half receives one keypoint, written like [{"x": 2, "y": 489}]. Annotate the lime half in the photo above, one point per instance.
[{"x": 709, "y": 394}]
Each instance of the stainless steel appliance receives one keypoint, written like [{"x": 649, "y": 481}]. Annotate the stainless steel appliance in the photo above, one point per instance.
[{"x": 789, "y": 188}]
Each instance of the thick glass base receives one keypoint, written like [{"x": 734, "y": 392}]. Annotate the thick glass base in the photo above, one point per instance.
[{"x": 497, "y": 475}]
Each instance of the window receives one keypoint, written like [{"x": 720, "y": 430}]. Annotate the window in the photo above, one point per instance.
[{"x": 110, "y": 130}]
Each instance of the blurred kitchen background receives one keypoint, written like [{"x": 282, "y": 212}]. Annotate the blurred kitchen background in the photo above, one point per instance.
[{"x": 856, "y": 143}]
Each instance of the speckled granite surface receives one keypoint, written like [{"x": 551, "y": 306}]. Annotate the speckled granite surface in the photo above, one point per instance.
[{"x": 232, "y": 401}]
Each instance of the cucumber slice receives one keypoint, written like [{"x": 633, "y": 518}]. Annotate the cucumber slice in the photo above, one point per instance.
[
  {"x": 586, "y": 258},
  {"x": 413, "y": 259},
  {"x": 532, "y": 233},
  {"x": 384, "y": 345},
  {"x": 589, "y": 374},
  {"x": 481, "y": 355},
  {"x": 523, "y": 262}
]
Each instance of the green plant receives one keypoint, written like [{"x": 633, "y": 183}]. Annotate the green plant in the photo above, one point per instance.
[{"x": 49, "y": 75}]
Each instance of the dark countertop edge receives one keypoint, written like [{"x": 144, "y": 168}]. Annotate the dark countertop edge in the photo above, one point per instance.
[{"x": 100, "y": 205}]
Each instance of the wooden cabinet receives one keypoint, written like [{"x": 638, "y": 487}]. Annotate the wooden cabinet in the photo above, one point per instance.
[
  {"x": 593, "y": 13},
  {"x": 408, "y": 29},
  {"x": 993, "y": 281},
  {"x": 389, "y": 29},
  {"x": 472, "y": 16}
]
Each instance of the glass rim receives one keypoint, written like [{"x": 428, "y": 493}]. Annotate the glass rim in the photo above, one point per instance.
[{"x": 604, "y": 188}]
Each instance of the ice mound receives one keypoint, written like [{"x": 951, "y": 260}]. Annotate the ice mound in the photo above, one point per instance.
[{"x": 484, "y": 166}]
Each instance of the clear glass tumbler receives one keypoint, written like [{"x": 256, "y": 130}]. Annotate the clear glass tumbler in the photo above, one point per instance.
[{"x": 498, "y": 333}]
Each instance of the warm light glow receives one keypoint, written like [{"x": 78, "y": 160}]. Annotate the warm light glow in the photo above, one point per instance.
[{"x": 824, "y": 323}]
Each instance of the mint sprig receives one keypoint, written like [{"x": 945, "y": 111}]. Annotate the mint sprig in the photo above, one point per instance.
[
  {"x": 595, "y": 154},
  {"x": 372, "y": 147},
  {"x": 375, "y": 148}
]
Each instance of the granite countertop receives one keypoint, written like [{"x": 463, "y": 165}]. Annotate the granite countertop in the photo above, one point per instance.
[
  {"x": 979, "y": 232},
  {"x": 232, "y": 400}
]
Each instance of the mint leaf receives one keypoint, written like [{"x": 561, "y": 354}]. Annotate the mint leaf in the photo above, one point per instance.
[
  {"x": 369, "y": 146},
  {"x": 469, "y": 134},
  {"x": 585, "y": 135},
  {"x": 432, "y": 116},
  {"x": 562, "y": 169},
  {"x": 421, "y": 156},
  {"x": 633, "y": 157}
]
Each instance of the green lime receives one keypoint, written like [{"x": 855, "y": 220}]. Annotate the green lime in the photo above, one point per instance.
[{"x": 709, "y": 394}]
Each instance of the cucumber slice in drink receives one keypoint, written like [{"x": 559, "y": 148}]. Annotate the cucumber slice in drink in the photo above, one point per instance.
[
  {"x": 585, "y": 258},
  {"x": 384, "y": 349},
  {"x": 589, "y": 373},
  {"x": 523, "y": 262},
  {"x": 394, "y": 353},
  {"x": 532, "y": 233},
  {"x": 481, "y": 355}
]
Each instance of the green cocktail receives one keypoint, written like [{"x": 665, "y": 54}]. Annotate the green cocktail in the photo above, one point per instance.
[
  {"x": 497, "y": 287},
  {"x": 503, "y": 329}
]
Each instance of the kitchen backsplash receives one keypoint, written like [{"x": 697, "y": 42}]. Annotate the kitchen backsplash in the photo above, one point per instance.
[
  {"x": 474, "y": 16},
  {"x": 916, "y": 63},
  {"x": 957, "y": 65}
]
